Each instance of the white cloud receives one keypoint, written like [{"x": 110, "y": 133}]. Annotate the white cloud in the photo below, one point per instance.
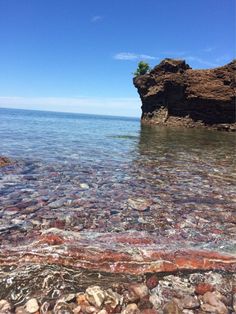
[
  {"x": 132, "y": 56},
  {"x": 96, "y": 18},
  {"x": 104, "y": 106},
  {"x": 174, "y": 53},
  {"x": 208, "y": 49},
  {"x": 200, "y": 61},
  {"x": 224, "y": 59}
]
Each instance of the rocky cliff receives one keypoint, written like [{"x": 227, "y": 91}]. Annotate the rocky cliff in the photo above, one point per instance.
[{"x": 175, "y": 94}]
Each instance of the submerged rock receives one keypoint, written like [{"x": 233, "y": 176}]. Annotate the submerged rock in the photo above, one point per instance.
[
  {"x": 5, "y": 307},
  {"x": 4, "y": 161}
]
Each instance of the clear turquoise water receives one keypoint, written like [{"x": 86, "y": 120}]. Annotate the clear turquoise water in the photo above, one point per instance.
[
  {"x": 52, "y": 136},
  {"x": 82, "y": 173}
]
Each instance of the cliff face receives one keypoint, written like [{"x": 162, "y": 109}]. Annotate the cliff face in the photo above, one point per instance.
[{"x": 174, "y": 94}]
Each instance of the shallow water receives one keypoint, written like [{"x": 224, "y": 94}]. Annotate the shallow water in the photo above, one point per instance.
[{"x": 81, "y": 173}]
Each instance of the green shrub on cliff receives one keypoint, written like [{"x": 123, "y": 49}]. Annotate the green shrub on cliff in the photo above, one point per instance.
[{"x": 142, "y": 68}]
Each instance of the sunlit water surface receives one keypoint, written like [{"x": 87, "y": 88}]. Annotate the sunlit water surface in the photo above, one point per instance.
[{"x": 81, "y": 172}]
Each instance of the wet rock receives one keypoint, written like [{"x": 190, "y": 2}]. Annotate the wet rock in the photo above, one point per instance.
[
  {"x": 190, "y": 302},
  {"x": 156, "y": 300},
  {"x": 89, "y": 309},
  {"x": 203, "y": 287},
  {"x": 209, "y": 309},
  {"x": 81, "y": 298},
  {"x": 56, "y": 204},
  {"x": 171, "y": 308},
  {"x": 68, "y": 298},
  {"x": 140, "y": 290},
  {"x": 145, "y": 304},
  {"x": 63, "y": 308},
  {"x": 84, "y": 186},
  {"x": 152, "y": 281},
  {"x": 131, "y": 309},
  {"x": 213, "y": 299},
  {"x": 22, "y": 310},
  {"x": 113, "y": 298},
  {"x": 149, "y": 311},
  {"x": 32, "y": 305},
  {"x": 5, "y": 307},
  {"x": 139, "y": 204},
  {"x": 103, "y": 311},
  {"x": 196, "y": 278},
  {"x": 95, "y": 296},
  {"x": 45, "y": 307},
  {"x": 77, "y": 309}
]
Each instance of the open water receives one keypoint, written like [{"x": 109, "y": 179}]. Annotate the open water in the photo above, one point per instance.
[{"x": 82, "y": 173}]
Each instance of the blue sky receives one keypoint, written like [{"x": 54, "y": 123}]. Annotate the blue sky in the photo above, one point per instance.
[{"x": 78, "y": 56}]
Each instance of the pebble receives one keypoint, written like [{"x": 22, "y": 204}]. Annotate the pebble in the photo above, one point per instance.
[
  {"x": 189, "y": 302},
  {"x": 32, "y": 305},
  {"x": 95, "y": 295},
  {"x": 5, "y": 307},
  {"x": 156, "y": 300},
  {"x": 22, "y": 310},
  {"x": 140, "y": 290},
  {"x": 213, "y": 299},
  {"x": 171, "y": 308},
  {"x": 113, "y": 298},
  {"x": 149, "y": 311},
  {"x": 139, "y": 204},
  {"x": 152, "y": 281},
  {"x": 203, "y": 287},
  {"x": 84, "y": 186},
  {"x": 131, "y": 309},
  {"x": 234, "y": 302}
]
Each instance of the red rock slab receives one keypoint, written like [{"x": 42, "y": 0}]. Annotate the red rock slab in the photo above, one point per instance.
[{"x": 110, "y": 252}]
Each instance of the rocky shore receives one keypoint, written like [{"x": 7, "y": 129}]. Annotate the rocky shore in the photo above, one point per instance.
[
  {"x": 199, "y": 293},
  {"x": 173, "y": 94}
]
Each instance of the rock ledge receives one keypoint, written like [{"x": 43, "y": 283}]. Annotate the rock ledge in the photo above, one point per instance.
[{"x": 176, "y": 95}]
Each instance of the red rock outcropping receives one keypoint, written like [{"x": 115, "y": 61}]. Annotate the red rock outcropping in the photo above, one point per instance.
[
  {"x": 115, "y": 253},
  {"x": 174, "y": 94}
]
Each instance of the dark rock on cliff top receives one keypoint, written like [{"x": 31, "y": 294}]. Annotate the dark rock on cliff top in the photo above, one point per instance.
[{"x": 174, "y": 94}]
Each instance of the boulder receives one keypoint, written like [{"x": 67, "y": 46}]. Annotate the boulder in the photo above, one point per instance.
[{"x": 174, "y": 94}]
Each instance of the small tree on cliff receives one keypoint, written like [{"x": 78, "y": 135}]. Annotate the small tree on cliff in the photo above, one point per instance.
[{"x": 142, "y": 68}]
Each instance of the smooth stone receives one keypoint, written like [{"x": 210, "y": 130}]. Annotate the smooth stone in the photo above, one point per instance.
[
  {"x": 171, "y": 308},
  {"x": 95, "y": 296},
  {"x": 203, "y": 287},
  {"x": 149, "y": 311},
  {"x": 141, "y": 290},
  {"x": 234, "y": 302},
  {"x": 131, "y": 308},
  {"x": 139, "y": 204},
  {"x": 32, "y": 305},
  {"x": 103, "y": 311},
  {"x": 21, "y": 310},
  {"x": 156, "y": 300},
  {"x": 112, "y": 298},
  {"x": 212, "y": 299},
  {"x": 84, "y": 186},
  {"x": 189, "y": 302},
  {"x": 5, "y": 307},
  {"x": 152, "y": 281}
]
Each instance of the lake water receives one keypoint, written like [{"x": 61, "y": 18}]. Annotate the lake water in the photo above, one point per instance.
[{"x": 88, "y": 173}]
